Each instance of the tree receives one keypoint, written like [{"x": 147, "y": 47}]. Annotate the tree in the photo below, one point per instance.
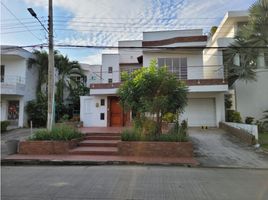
[
  {"x": 67, "y": 71},
  {"x": 75, "y": 92},
  {"x": 153, "y": 90},
  {"x": 254, "y": 34}
]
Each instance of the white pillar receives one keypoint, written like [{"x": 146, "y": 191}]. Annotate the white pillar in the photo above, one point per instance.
[{"x": 21, "y": 112}]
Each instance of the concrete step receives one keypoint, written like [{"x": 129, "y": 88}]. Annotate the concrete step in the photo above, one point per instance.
[
  {"x": 99, "y": 143},
  {"x": 94, "y": 151},
  {"x": 102, "y": 137}
]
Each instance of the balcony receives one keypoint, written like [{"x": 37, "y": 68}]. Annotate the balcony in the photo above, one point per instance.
[
  {"x": 210, "y": 78},
  {"x": 12, "y": 85}
]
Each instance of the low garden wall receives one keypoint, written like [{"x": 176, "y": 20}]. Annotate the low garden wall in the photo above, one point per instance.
[
  {"x": 247, "y": 133},
  {"x": 156, "y": 149},
  {"x": 46, "y": 147}
]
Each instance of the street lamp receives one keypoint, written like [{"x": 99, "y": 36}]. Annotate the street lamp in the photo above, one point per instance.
[{"x": 31, "y": 11}]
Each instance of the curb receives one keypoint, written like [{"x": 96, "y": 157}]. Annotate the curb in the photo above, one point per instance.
[{"x": 10, "y": 162}]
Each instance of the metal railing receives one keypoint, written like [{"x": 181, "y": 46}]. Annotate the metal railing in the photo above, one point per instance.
[
  {"x": 12, "y": 79},
  {"x": 195, "y": 72}
]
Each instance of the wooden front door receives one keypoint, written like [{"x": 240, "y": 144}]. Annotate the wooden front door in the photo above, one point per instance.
[{"x": 116, "y": 112}]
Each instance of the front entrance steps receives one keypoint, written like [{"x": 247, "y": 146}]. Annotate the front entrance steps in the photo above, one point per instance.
[{"x": 98, "y": 144}]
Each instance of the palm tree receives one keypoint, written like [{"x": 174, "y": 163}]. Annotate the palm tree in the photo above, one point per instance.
[
  {"x": 67, "y": 71},
  {"x": 255, "y": 35},
  {"x": 41, "y": 61}
]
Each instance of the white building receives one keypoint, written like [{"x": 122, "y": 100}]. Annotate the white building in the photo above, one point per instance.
[
  {"x": 250, "y": 98},
  {"x": 18, "y": 84},
  {"x": 206, "y": 83}
]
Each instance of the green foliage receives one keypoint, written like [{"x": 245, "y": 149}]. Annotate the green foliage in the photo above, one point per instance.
[
  {"x": 213, "y": 30},
  {"x": 184, "y": 124},
  {"x": 153, "y": 90},
  {"x": 249, "y": 120},
  {"x": 132, "y": 135},
  {"x": 4, "y": 125},
  {"x": 234, "y": 116},
  {"x": 61, "y": 133},
  {"x": 75, "y": 92},
  {"x": 228, "y": 101},
  {"x": 169, "y": 117},
  {"x": 252, "y": 34},
  {"x": 37, "y": 112}
]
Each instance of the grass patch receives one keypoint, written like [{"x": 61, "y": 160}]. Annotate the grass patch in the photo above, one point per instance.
[
  {"x": 60, "y": 133},
  {"x": 133, "y": 135}
]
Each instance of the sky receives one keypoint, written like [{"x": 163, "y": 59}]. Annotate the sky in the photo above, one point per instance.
[{"x": 105, "y": 22}]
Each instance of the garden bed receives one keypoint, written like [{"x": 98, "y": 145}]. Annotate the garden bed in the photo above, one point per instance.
[
  {"x": 47, "y": 147},
  {"x": 156, "y": 149}
]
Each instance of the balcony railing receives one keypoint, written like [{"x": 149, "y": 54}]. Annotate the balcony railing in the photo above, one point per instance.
[
  {"x": 12, "y": 85},
  {"x": 12, "y": 79},
  {"x": 195, "y": 72}
]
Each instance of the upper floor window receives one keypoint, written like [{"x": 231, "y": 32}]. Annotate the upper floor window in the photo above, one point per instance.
[
  {"x": 110, "y": 80},
  {"x": 110, "y": 69},
  {"x": 178, "y": 66}
]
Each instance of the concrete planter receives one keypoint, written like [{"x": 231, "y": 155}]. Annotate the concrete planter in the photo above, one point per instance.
[
  {"x": 156, "y": 149},
  {"x": 47, "y": 147},
  {"x": 12, "y": 146}
]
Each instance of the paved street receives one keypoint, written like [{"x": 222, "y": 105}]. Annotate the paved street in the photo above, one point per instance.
[
  {"x": 214, "y": 147},
  {"x": 132, "y": 182}
]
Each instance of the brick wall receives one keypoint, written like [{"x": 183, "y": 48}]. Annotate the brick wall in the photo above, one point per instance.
[
  {"x": 243, "y": 135},
  {"x": 46, "y": 147},
  {"x": 154, "y": 149}
]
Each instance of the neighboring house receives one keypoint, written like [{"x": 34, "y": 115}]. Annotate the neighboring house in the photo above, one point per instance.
[
  {"x": 250, "y": 98},
  {"x": 18, "y": 84},
  {"x": 207, "y": 84}
]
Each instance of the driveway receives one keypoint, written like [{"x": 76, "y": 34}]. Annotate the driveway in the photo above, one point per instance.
[
  {"x": 15, "y": 134},
  {"x": 216, "y": 148}
]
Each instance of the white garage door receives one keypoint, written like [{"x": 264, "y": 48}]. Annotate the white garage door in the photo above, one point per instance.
[{"x": 200, "y": 112}]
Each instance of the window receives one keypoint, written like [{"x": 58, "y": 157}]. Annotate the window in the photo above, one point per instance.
[
  {"x": 102, "y": 102},
  {"x": 110, "y": 70},
  {"x": 102, "y": 116},
  {"x": 178, "y": 66},
  {"x": 110, "y": 80},
  {"x": 2, "y": 73}
]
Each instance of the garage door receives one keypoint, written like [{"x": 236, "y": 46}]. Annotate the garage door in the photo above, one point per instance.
[{"x": 200, "y": 112}]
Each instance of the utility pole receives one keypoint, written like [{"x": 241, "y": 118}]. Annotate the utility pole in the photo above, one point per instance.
[{"x": 51, "y": 77}]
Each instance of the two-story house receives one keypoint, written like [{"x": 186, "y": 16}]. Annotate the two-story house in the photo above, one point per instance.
[
  {"x": 249, "y": 98},
  {"x": 207, "y": 83},
  {"x": 18, "y": 84}
]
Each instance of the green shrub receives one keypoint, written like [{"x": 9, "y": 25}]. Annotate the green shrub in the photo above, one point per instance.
[
  {"x": 37, "y": 112},
  {"x": 169, "y": 117},
  {"x": 63, "y": 132},
  {"x": 234, "y": 116},
  {"x": 184, "y": 124},
  {"x": 249, "y": 120},
  {"x": 134, "y": 135},
  {"x": 4, "y": 125}
]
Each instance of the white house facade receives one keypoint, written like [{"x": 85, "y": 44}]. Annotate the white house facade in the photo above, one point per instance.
[
  {"x": 18, "y": 84},
  {"x": 206, "y": 83},
  {"x": 249, "y": 98}
]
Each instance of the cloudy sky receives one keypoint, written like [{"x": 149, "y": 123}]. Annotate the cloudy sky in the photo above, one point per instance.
[{"x": 104, "y": 22}]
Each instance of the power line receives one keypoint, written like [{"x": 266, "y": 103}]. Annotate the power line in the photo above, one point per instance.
[{"x": 19, "y": 20}]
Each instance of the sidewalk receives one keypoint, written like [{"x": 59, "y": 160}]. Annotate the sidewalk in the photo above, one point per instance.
[{"x": 94, "y": 160}]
